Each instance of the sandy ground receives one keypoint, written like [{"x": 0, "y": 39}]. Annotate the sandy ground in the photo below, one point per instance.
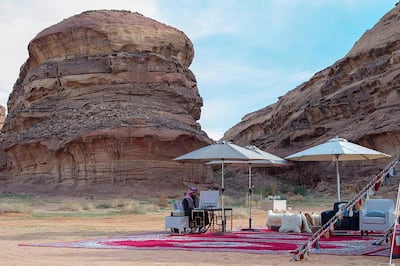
[{"x": 17, "y": 228}]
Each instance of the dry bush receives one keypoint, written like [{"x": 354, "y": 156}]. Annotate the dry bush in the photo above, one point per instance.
[
  {"x": 162, "y": 201},
  {"x": 6, "y": 207},
  {"x": 240, "y": 213},
  {"x": 88, "y": 206},
  {"x": 228, "y": 201},
  {"x": 133, "y": 207},
  {"x": 119, "y": 203},
  {"x": 70, "y": 206},
  {"x": 150, "y": 207}
]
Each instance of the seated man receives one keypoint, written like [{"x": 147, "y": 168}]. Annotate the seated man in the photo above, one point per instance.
[{"x": 191, "y": 202}]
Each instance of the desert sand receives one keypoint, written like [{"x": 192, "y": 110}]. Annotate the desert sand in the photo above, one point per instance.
[{"x": 18, "y": 229}]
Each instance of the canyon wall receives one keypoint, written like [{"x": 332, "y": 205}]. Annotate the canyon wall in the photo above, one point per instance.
[{"x": 357, "y": 98}]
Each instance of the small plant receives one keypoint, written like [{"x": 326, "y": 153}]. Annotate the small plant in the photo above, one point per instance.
[
  {"x": 88, "y": 206},
  {"x": 103, "y": 206},
  {"x": 70, "y": 206},
  {"x": 284, "y": 188},
  {"x": 299, "y": 190},
  {"x": 117, "y": 203}
]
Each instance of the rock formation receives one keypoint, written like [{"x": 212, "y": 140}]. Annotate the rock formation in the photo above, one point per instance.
[
  {"x": 104, "y": 101},
  {"x": 357, "y": 98},
  {"x": 2, "y": 116}
]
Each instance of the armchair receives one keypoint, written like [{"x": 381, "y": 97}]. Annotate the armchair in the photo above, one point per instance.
[
  {"x": 377, "y": 215},
  {"x": 346, "y": 223}
]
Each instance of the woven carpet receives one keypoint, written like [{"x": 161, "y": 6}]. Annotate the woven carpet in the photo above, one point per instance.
[{"x": 261, "y": 242}]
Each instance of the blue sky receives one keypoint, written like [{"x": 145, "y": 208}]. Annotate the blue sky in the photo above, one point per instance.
[{"x": 247, "y": 53}]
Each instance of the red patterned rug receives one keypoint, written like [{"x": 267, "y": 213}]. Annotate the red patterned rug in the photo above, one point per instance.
[{"x": 261, "y": 242}]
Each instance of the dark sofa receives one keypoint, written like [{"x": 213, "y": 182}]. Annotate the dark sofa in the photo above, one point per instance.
[{"x": 347, "y": 223}]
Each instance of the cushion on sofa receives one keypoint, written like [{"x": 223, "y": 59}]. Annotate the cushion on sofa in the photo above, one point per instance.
[
  {"x": 291, "y": 223},
  {"x": 316, "y": 219},
  {"x": 274, "y": 219},
  {"x": 375, "y": 213}
]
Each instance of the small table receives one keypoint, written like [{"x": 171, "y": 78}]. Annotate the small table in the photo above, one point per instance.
[
  {"x": 216, "y": 218},
  {"x": 179, "y": 222},
  {"x": 199, "y": 217}
]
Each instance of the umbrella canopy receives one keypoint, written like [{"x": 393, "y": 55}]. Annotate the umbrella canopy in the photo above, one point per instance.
[
  {"x": 222, "y": 150},
  {"x": 337, "y": 149},
  {"x": 268, "y": 161},
  {"x": 275, "y": 160}
]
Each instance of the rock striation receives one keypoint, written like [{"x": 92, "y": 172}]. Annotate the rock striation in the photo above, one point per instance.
[
  {"x": 105, "y": 100},
  {"x": 357, "y": 98}
]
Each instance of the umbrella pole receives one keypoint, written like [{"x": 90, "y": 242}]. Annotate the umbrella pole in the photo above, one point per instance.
[
  {"x": 337, "y": 178},
  {"x": 222, "y": 200},
  {"x": 250, "y": 196},
  {"x": 250, "y": 199}
]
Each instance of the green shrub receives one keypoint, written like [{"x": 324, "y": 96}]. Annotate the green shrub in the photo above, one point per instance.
[
  {"x": 265, "y": 191},
  {"x": 103, "y": 206},
  {"x": 299, "y": 190}
]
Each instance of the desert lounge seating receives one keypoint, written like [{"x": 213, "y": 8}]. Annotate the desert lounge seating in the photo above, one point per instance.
[
  {"x": 376, "y": 215},
  {"x": 208, "y": 200},
  {"x": 177, "y": 222},
  {"x": 348, "y": 222}
]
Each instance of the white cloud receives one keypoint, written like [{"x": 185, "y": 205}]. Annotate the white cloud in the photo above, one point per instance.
[{"x": 234, "y": 91}]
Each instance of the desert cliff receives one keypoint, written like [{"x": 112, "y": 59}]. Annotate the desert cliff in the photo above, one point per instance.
[
  {"x": 103, "y": 103},
  {"x": 106, "y": 99},
  {"x": 357, "y": 98}
]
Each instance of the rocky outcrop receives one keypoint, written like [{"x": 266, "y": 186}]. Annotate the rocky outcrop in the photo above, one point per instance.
[
  {"x": 105, "y": 100},
  {"x": 357, "y": 98},
  {"x": 2, "y": 116}
]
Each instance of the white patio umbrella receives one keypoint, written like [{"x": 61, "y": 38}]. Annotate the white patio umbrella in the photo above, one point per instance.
[
  {"x": 222, "y": 150},
  {"x": 337, "y": 149},
  {"x": 268, "y": 161}
]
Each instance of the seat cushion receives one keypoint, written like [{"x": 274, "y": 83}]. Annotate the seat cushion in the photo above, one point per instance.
[
  {"x": 375, "y": 213},
  {"x": 178, "y": 213},
  {"x": 374, "y": 220}
]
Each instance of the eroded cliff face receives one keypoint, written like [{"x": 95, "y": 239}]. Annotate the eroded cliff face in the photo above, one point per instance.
[
  {"x": 106, "y": 98},
  {"x": 357, "y": 98}
]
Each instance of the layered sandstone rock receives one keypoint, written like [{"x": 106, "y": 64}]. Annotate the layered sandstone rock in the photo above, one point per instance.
[
  {"x": 105, "y": 98},
  {"x": 2, "y": 116},
  {"x": 357, "y": 98}
]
